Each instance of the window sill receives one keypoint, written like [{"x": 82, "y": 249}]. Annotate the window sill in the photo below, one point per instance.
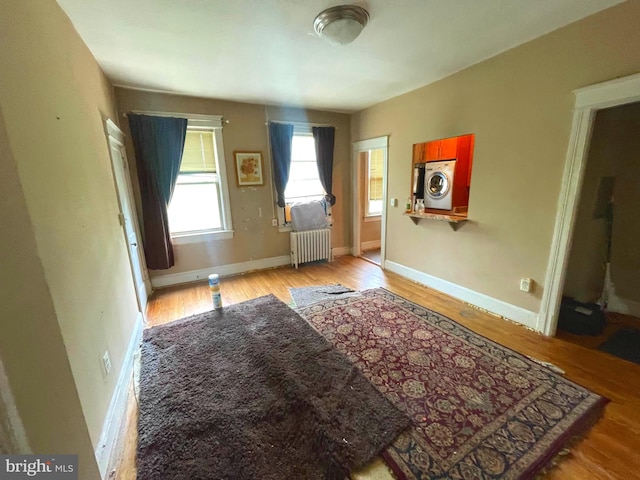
[
  {"x": 373, "y": 218},
  {"x": 201, "y": 237}
]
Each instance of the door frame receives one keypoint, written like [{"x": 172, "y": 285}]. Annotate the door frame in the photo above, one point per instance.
[
  {"x": 377, "y": 143},
  {"x": 588, "y": 101},
  {"x": 115, "y": 137}
]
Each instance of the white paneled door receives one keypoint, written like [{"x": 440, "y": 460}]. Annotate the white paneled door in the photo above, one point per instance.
[{"x": 127, "y": 216}]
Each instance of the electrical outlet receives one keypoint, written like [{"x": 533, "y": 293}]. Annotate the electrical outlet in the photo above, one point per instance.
[
  {"x": 106, "y": 362},
  {"x": 526, "y": 284},
  {"x": 274, "y": 222}
]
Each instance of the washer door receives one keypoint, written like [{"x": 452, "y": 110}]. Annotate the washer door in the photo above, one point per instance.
[{"x": 437, "y": 185}]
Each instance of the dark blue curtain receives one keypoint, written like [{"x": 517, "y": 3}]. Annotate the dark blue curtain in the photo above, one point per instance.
[
  {"x": 158, "y": 144},
  {"x": 280, "y": 137},
  {"x": 324, "y": 139}
]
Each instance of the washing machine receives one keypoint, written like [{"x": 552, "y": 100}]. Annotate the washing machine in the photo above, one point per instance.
[{"x": 438, "y": 184}]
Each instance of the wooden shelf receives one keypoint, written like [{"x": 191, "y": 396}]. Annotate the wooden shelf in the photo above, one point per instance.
[{"x": 455, "y": 221}]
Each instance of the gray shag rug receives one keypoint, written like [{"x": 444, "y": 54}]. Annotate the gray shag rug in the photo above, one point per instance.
[
  {"x": 252, "y": 391},
  {"x": 304, "y": 296}
]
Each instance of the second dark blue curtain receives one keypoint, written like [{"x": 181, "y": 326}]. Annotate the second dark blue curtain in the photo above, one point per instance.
[
  {"x": 158, "y": 144},
  {"x": 281, "y": 137},
  {"x": 324, "y": 140}
]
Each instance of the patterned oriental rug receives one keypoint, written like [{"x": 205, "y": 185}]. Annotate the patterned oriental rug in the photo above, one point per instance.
[{"x": 479, "y": 410}]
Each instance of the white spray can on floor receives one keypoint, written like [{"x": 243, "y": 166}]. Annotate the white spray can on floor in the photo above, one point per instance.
[{"x": 214, "y": 286}]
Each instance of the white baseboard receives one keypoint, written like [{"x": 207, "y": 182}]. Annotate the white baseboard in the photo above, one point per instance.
[
  {"x": 118, "y": 405},
  {"x": 504, "y": 309},
  {"x": 370, "y": 245},
  {"x": 340, "y": 251},
  {"x": 222, "y": 270}
]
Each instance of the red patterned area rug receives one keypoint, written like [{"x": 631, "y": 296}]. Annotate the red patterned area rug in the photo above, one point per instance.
[{"x": 479, "y": 410}]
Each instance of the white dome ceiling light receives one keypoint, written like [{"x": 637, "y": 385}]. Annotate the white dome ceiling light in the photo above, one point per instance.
[{"x": 342, "y": 24}]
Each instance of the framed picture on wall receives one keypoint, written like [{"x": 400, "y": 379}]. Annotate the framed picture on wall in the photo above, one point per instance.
[{"x": 249, "y": 169}]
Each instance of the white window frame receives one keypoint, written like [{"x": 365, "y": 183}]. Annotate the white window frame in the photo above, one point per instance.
[
  {"x": 209, "y": 122},
  {"x": 283, "y": 226},
  {"x": 368, "y": 216}
]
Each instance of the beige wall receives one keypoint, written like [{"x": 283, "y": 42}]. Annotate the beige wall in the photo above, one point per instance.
[
  {"x": 31, "y": 344},
  {"x": 70, "y": 294},
  {"x": 519, "y": 105},
  {"x": 625, "y": 252},
  {"x": 370, "y": 230},
  {"x": 614, "y": 151},
  {"x": 255, "y": 238}
]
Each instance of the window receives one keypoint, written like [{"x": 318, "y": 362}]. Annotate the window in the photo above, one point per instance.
[
  {"x": 374, "y": 183},
  {"x": 200, "y": 202},
  {"x": 304, "y": 181}
]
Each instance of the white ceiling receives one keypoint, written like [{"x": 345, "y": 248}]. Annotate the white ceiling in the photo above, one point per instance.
[{"x": 265, "y": 51}]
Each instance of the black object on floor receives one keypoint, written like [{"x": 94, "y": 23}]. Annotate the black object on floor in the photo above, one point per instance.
[
  {"x": 581, "y": 318},
  {"x": 625, "y": 343}
]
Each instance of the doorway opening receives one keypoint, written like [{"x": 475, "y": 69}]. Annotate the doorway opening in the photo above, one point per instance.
[
  {"x": 600, "y": 305},
  {"x": 370, "y": 186},
  {"x": 588, "y": 102}
]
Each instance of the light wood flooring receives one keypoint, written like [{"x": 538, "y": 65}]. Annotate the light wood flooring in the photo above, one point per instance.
[
  {"x": 610, "y": 450},
  {"x": 372, "y": 256}
]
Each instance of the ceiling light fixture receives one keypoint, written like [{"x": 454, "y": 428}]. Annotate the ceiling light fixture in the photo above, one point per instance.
[{"x": 342, "y": 24}]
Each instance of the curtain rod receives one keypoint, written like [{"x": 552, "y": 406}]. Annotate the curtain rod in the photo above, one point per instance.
[
  {"x": 301, "y": 124},
  {"x": 155, "y": 113},
  {"x": 194, "y": 116}
]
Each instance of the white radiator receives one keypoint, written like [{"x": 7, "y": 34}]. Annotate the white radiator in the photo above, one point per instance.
[{"x": 310, "y": 245}]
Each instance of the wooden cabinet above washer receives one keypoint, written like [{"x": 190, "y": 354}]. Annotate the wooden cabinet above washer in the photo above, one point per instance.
[
  {"x": 445, "y": 149},
  {"x": 453, "y": 148}
]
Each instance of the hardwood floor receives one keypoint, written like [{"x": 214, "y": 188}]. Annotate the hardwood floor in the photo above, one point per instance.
[
  {"x": 372, "y": 256},
  {"x": 610, "y": 450}
]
